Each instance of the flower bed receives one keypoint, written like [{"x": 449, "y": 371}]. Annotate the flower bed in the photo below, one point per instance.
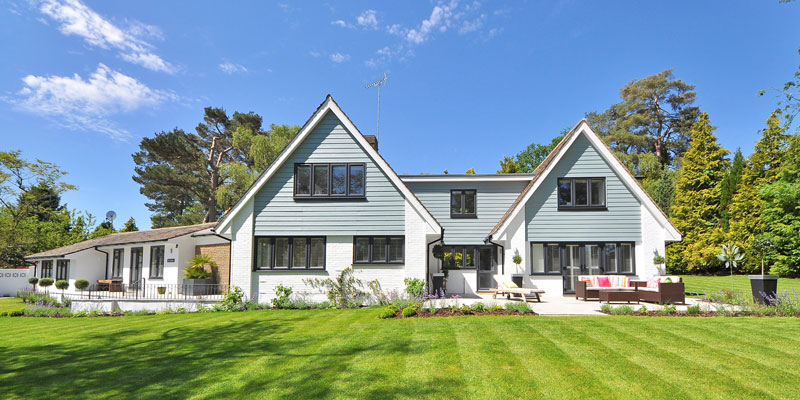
[{"x": 429, "y": 310}]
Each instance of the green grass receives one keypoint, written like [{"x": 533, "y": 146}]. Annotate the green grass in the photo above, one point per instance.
[
  {"x": 352, "y": 354},
  {"x": 8, "y": 304},
  {"x": 741, "y": 283}
]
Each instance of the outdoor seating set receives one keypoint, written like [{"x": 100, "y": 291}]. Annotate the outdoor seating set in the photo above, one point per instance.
[{"x": 617, "y": 288}]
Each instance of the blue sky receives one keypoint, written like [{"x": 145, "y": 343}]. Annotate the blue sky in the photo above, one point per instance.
[{"x": 469, "y": 82}]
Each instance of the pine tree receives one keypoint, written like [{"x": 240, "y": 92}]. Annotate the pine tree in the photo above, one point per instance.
[
  {"x": 781, "y": 214},
  {"x": 747, "y": 206},
  {"x": 695, "y": 209},
  {"x": 729, "y": 187},
  {"x": 470, "y": 171},
  {"x": 130, "y": 226}
]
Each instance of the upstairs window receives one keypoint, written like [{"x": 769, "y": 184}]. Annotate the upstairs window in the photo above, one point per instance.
[
  {"x": 581, "y": 193},
  {"x": 463, "y": 204},
  {"x": 328, "y": 180}
]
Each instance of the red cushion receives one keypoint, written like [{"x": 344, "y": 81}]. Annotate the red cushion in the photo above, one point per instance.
[{"x": 602, "y": 281}]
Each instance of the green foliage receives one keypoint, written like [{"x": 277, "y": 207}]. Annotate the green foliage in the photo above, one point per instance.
[
  {"x": 34, "y": 310},
  {"x": 33, "y": 280},
  {"x": 730, "y": 184},
  {"x": 409, "y": 311},
  {"x": 619, "y": 310},
  {"x": 62, "y": 284},
  {"x": 45, "y": 282},
  {"x": 517, "y": 259},
  {"x": 695, "y": 210},
  {"x": 233, "y": 300},
  {"x": 508, "y": 166},
  {"x": 693, "y": 309},
  {"x": 518, "y": 307},
  {"x": 345, "y": 290},
  {"x": 36, "y": 298},
  {"x": 130, "y": 226},
  {"x": 415, "y": 288},
  {"x": 528, "y": 159},
  {"x": 103, "y": 229},
  {"x": 81, "y": 284},
  {"x": 781, "y": 214},
  {"x": 478, "y": 306},
  {"x": 282, "y": 296},
  {"x": 200, "y": 266},
  {"x": 470, "y": 171},
  {"x": 388, "y": 312}
]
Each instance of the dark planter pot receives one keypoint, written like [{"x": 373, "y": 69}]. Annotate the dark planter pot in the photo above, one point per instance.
[
  {"x": 766, "y": 284},
  {"x": 438, "y": 284},
  {"x": 517, "y": 279},
  {"x": 162, "y": 289},
  {"x": 199, "y": 287}
]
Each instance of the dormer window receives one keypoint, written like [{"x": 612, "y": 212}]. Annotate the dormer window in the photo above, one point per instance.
[
  {"x": 328, "y": 180},
  {"x": 463, "y": 203},
  {"x": 581, "y": 193}
]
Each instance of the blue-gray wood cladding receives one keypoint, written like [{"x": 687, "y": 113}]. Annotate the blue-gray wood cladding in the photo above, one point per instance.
[
  {"x": 277, "y": 213},
  {"x": 493, "y": 200},
  {"x": 622, "y": 220}
]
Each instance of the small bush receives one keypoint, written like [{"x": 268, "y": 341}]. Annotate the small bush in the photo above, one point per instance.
[
  {"x": 693, "y": 309},
  {"x": 282, "y": 295},
  {"x": 45, "y": 282},
  {"x": 81, "y": 284},
  {"x": 200, "y": 267},
  {"x": 409, "y": 311},
  {"x": 80, "y": 314},
  {"x": 388, "y": 312},
  {"x": 622, "y": 310},
  {"x": 522, "y": 308},
  {"x": 643, "y": 310},
  {"x": 38, "y": 298},
  {"x": 233, "y": 300},
  {"x": 33, "y": 281},
  {"x": 465, "y": 309},
  {"x": 16, "y": 313},
  {"x": 45, "y": 311},
  {"x": 478, "y": 306},
  {"x": 670, "y": 309},
  {"x": 497, "y": 307},
  {"x": 415, "y": 288},
  {"x": 607, "y": 308},
  {"x": 62, "y": 284}
]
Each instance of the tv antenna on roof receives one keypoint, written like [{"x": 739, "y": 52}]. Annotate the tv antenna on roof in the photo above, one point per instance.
[{"x": 378, "y": 83}]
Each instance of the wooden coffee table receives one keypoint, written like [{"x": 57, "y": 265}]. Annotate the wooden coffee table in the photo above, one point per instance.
[{"x": 620, "y": 295}]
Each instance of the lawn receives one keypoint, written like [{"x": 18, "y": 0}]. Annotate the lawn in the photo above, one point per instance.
[
  {"x": 8, "y": 304},
  {"x": 713, "y": 284},
  {"x": 352, "y": 354}
]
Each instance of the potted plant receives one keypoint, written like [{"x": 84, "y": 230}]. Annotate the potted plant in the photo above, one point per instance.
[
  {"x": 63, "y": 285},
  {"x": 659, "y": 261},
  {"x": 45, "y": 283},
  {"x": 33, "y": 281},
  {"x": 81, "y": 284},
  {"x": 198, "y": 276},
  {"x": 730, "y": 256},
  {"x": 762, "y": 285},
  {"x": 439, "y": 282},
  {"x": 161, "y": 289}
]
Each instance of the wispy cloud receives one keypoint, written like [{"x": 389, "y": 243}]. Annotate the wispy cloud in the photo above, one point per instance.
[
  {"x": 315, "y": 54},
  {"x": 368, "y": 19},
  {"x": 87, "y": 104},
  {"x": 339, "y": 57},
  {"x": 341, "y": 23},
  {"x": 75, "y": 18},
  {"x": 231, "y": 68}
]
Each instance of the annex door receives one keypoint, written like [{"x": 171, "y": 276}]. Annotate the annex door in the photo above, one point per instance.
[
  {"x": 487, "y": 268},
  {"x": 136, "y": 266}
]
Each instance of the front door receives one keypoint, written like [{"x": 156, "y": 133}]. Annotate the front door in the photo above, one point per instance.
[
  {"x": 487, "y": 268},
  {"x": 136, "y": 266},
  {"x": 572, "y": 266}
]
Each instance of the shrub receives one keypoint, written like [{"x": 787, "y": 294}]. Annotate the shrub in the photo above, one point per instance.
[
  {"x": 415, "y": 288},
  {"x": 81, "y": 284},
  {"x": 643, "y": 310},
  {"x": 33, "y": 297},
  {"x": 46, "y": 282},
  {"x": 253, "y": 305},
  {"x": 62, "y": 284},
  {"x": 80, "y": 314},
  {"x": 388, "y": 312},
  {"x": 233, "y": 300},
  {"x": 33, "y": 280},
  {"x": 345, "y": 290},
  {"x": 465, "y": 309},
  {"x": 478, "y": 306},
  {"x": 33, "y": 310},
  {"x": 670, "y": 309},
  {"x": 282, "y": 294},
  {"x": 607, "y": 308},
  {"x": 522, "y": 308},
  {"x": 16, "y": 313},
  {"x": 200, "y": 267},
  {"x": 623, "y": 310},
  {"x": 693, "y": 309},
  {"x": 409, "y": 311}
]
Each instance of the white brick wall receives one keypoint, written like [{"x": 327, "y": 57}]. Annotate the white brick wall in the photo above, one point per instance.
[
  {"x": 242, "y": 250},
  {"x": 653, "y": 235}
]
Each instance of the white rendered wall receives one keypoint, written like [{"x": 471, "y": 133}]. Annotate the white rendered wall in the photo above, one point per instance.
[
  {"x": 12, "y": 280},
  {"x": 241, "y": 233}
]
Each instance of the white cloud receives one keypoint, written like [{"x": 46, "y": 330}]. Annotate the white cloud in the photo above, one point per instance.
[
  {"x": 368, "y": 19},
  {"x": 472, "y": 25},
  {"x": 314, "y": 54},
  {"x": 396, "y": 29},
  {"x": 86, "y": 104},
  {"x": 339, "y": 57},
  {"x": 341, "y": 23},
  {"x": 231, "y": 68},
  {"x": 75, "y": 18},
  {"x": 440, "y": 19}
]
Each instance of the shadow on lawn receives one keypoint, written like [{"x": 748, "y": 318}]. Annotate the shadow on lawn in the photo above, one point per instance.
[{"x": 201, "y": 358}]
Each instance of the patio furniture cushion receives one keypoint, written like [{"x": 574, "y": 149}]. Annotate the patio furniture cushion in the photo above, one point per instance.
[
  {"x": 674, "y": 279},
  {"x": 648, "y": 289},
  {"x": 592, "y": 281},
  {"x": 509, "y": 284},
  {"x": 652, "y": 283},
  {"x": 602, "y": 281}
]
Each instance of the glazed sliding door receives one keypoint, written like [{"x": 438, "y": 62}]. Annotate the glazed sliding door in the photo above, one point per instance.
[{"x": 572, "y": 266}]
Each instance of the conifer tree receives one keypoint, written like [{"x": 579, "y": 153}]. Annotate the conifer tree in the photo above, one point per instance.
[
  {"x": 695, "y": 209},
  {"x": 781, "y": 215},
  {"x": 729, "y": 187},
  {"x": 747, "y": 206}
]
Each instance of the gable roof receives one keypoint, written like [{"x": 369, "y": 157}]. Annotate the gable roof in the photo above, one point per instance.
[
  {"x": 152, "y": 235},
  {"x": 547, "y": 165},
  {"x": 328, "y": 105}
]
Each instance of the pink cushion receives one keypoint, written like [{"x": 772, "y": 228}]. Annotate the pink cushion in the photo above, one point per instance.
[
  {"x": 602, "y": 281},
  {"x": 652, "y": 283}
]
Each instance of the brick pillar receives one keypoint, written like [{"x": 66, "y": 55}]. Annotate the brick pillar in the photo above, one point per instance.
[{"x": 221, "y": 254}]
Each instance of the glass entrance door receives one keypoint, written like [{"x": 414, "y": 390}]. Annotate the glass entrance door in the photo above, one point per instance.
[
  {"x": 487, "y": 268},
  {"x": 572, "y": 266},
  {"x": 592, "y": 259},
  {"x": 136, "y": 266}
]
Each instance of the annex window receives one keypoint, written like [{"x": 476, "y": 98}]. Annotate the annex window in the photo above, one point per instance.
[
  {"x": 116, "y": 263},
  {"x": 545, "y": 258},
  {"x": 378, "y": 249},
  {"x": 460, "y": 257},
  {"x": 62, "y": 270},
  {"x": 157, "y": 262},
  {"x": 325, "y": 180},
  {"x": 462, "y": 203},
  {"x": 581, "y": 193},
  {"x": 47, "y": 269},
  {"x": 301, "y": 252}
]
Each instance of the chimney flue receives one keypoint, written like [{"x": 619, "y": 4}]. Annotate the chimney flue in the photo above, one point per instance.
[{"x": 372, "y": 140}]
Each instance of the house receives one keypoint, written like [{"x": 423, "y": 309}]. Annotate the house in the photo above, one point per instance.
[
  {"x": 330, "y": 201},
  {"x": 151, "y": 257}
]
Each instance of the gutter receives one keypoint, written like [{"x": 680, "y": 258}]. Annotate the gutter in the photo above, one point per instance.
[
  {"x": 106, "y": 253},
  {"x": 502, "y": 252}
]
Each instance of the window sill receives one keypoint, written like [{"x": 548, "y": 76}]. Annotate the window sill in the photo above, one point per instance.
[
  {"x": 380, "y": 263},
  {"x": 304, "y": 198},
  {"x": 464, "y": 216},
  {"x": 545, "y": 274},
  {"x": 156, "y": 278},
  {"x": 562, "y": 208}
]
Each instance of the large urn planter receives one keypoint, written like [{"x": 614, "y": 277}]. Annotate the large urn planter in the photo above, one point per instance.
[
  {"x": 763, "y": 285},
  {"x": 199, "y": 287}
]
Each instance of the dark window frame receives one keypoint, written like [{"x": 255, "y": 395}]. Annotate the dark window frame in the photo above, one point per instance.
[
  {"x": 588, "y": 206},
  {"x": 117, "y": 263},
  {"x": 463, "y": 248},
  {"x": 464, "y": 214},
  {"x": 47, "y": 269},
  {"x": 603, "y": 257},
  {"x": 140, "y": 264},
  {"x": 329, "y": 195},
  {"x": 387, "y": 246},
  {"x": 160, "y": 269},
  {"x": 290, "y": 265},
  {"x": 62, "y": 270}
]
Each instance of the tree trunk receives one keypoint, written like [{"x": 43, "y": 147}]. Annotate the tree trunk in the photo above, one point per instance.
[{"x": 211, "y": 202}]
